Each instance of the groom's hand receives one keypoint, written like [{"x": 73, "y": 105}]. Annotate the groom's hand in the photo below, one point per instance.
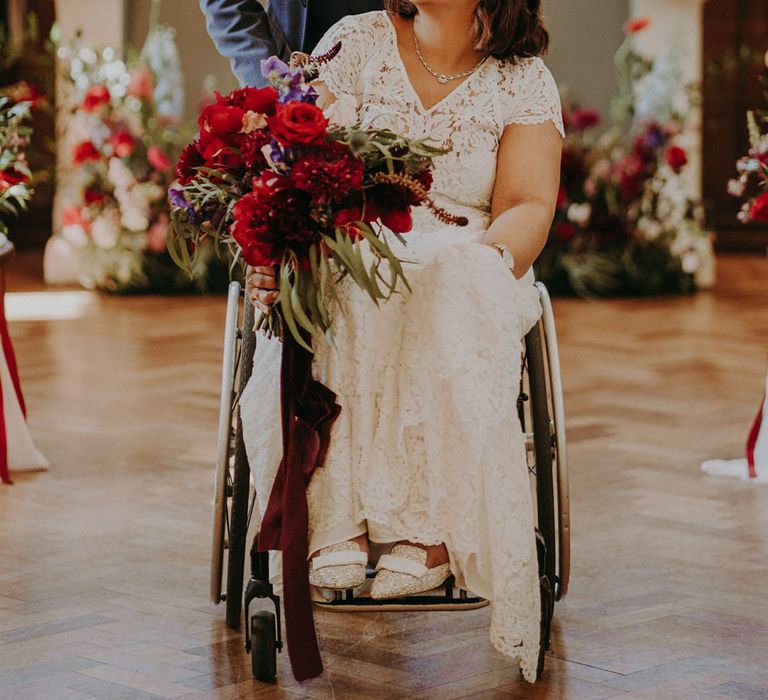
[{"x": 261, "y": 287}]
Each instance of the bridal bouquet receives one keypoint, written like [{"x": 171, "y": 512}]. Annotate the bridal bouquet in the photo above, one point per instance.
[{"x": 282, "y": 183}]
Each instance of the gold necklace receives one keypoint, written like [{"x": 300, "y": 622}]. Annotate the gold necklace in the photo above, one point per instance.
[{"x": 442, "y": 78}]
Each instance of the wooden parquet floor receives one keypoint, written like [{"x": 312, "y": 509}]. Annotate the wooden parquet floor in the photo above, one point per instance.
[{"x": 104, "y": 560}]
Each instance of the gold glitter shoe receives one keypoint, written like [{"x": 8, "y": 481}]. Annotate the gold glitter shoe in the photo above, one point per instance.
[
  {"x": 403, "y": 572},
  {"x": 338, "y": 567}
]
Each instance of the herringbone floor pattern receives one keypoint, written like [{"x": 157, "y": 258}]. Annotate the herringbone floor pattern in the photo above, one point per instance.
[{"x": 103, "y": 561}]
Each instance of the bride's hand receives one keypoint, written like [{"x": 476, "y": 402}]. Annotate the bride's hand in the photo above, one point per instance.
[{"x": 261, "y": 287}]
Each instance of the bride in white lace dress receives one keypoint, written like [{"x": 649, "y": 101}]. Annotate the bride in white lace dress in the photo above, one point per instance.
[{"x": 428, "y": 451}]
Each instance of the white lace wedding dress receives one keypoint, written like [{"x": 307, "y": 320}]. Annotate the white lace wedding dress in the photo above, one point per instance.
[{"x": 428, "y": 446}]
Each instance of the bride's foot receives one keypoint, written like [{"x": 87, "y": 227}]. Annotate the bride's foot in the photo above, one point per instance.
[
  {"x": 410, "y": 569},
  {"x": 340, "y": 566}
]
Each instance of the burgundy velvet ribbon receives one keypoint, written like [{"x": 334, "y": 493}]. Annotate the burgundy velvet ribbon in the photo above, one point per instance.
[
  {"x": 10, "y": 359},
  {"x": 752, "y": 442},
  {"x": 309, "y": 410}
]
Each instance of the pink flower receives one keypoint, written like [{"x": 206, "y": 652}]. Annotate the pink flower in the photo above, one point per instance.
[
  {"x": 123, "y": 144},
  {"x": 157, "y": 235},
  {"x": 142, "y": 84},
  {"x": 96, "y": 97},
  {"x": 158, "y": 160},
  {"x": 73, "y": 216}
]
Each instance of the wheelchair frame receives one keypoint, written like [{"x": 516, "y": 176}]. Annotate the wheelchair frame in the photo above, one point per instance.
[{"x": 542, "y": 415}]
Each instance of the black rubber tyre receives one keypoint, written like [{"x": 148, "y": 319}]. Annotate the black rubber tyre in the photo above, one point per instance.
[
  {"x": 238, "y": 516},
  {"x": 263, "y": 646},
  {"x": 545, "y": 489}
]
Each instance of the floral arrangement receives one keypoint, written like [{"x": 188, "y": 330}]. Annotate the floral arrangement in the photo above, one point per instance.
[
  {"x": 15, "y": 132},
  {"x": 284, "y": 184},
  {"x": 27, "y": 76},
  {"x": 125, "y": 137},
  {"x": 625, "y": 224},
  {"x": 752, "y": 182}
]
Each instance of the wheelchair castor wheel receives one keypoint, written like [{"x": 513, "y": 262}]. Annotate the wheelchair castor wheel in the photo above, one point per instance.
[{"x": 263, "y": 645}]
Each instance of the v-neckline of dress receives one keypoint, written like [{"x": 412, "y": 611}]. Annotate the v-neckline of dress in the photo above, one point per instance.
[{"x": 407, "y": 78}]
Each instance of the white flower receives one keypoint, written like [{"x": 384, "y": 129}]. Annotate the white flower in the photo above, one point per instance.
[
  {"x": 580, "y": 214},
  {"x": 343, "y": 112},
  {"x": 690, "y": 262},
  {"x": 105, "y": 230},
  {"x": 736, "y": 188},
  {"x": 253, "y": 121},
  {"x": 649, "y": 229}
]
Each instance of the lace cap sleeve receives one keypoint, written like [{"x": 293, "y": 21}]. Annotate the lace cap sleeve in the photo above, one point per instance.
[
  {"x": 530, "y": 95},
  {"x": 342, "y": 75}
]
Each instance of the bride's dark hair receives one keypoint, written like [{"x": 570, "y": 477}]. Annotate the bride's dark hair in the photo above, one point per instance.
[{"x": 503, "y": 28}]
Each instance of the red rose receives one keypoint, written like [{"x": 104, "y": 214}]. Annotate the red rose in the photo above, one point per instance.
[
  {"x": 84, "y": 152},
  {"x": 562, "y": 198},
  {"x": 676, "y": 158},
  {"x": 96, "y": 96},
  {"x": 157, "y": 159},
  {"x": 397, "y": 220},
  {"x": 93, "y": 196},
  {"x": 123, "y": 144},
  {"x": 299, "y": 124},
  {"x": 259, "y": 100},
  {"x": 190, "y": 160},
  {"x": 329, "y": 174},
  {"x": 219, "y": 155},
  {"x": 583, "y": 119},
  {"x": 221, "y": 120},
  {"x": 637, "y": 24},
  {"x": 759, "y": 209},
  {"x": 9, "y": 178}
]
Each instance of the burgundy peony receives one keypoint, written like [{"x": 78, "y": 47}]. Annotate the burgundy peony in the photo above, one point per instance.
[
  {"x": 297, "y": 124},
  {"x": 329, "y": 174}
]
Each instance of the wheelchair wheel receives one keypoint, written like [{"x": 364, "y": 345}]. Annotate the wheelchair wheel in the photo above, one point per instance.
[
  {"x": 232, "y": 503},
  {"x": 264, "y": 645},
  {"x": 560, "y": 443}
]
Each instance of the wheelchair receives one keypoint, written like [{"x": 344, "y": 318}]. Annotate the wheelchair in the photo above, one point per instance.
[{"x": 542, "y": 417}]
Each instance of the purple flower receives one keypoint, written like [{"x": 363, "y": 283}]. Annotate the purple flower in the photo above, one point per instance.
[
  {"x": 178, "y": 200},
  {"x": 273, "y": 68},
  {"x": 289, "y": 82}
]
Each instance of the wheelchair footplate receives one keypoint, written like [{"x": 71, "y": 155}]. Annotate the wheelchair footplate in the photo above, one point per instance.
[{"x": 447, "y": 598}]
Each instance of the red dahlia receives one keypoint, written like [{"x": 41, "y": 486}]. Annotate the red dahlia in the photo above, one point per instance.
[
  {"x": 271, "y": 218},
  {"x": 329, "y": 174},
  {"x": 190, "y": 160}
]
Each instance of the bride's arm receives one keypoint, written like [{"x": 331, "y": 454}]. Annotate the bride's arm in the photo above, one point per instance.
[{"x": 525, "y": 193}]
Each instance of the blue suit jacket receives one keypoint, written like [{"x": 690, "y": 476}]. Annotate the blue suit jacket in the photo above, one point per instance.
[{"x": 246, "y": 33}]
